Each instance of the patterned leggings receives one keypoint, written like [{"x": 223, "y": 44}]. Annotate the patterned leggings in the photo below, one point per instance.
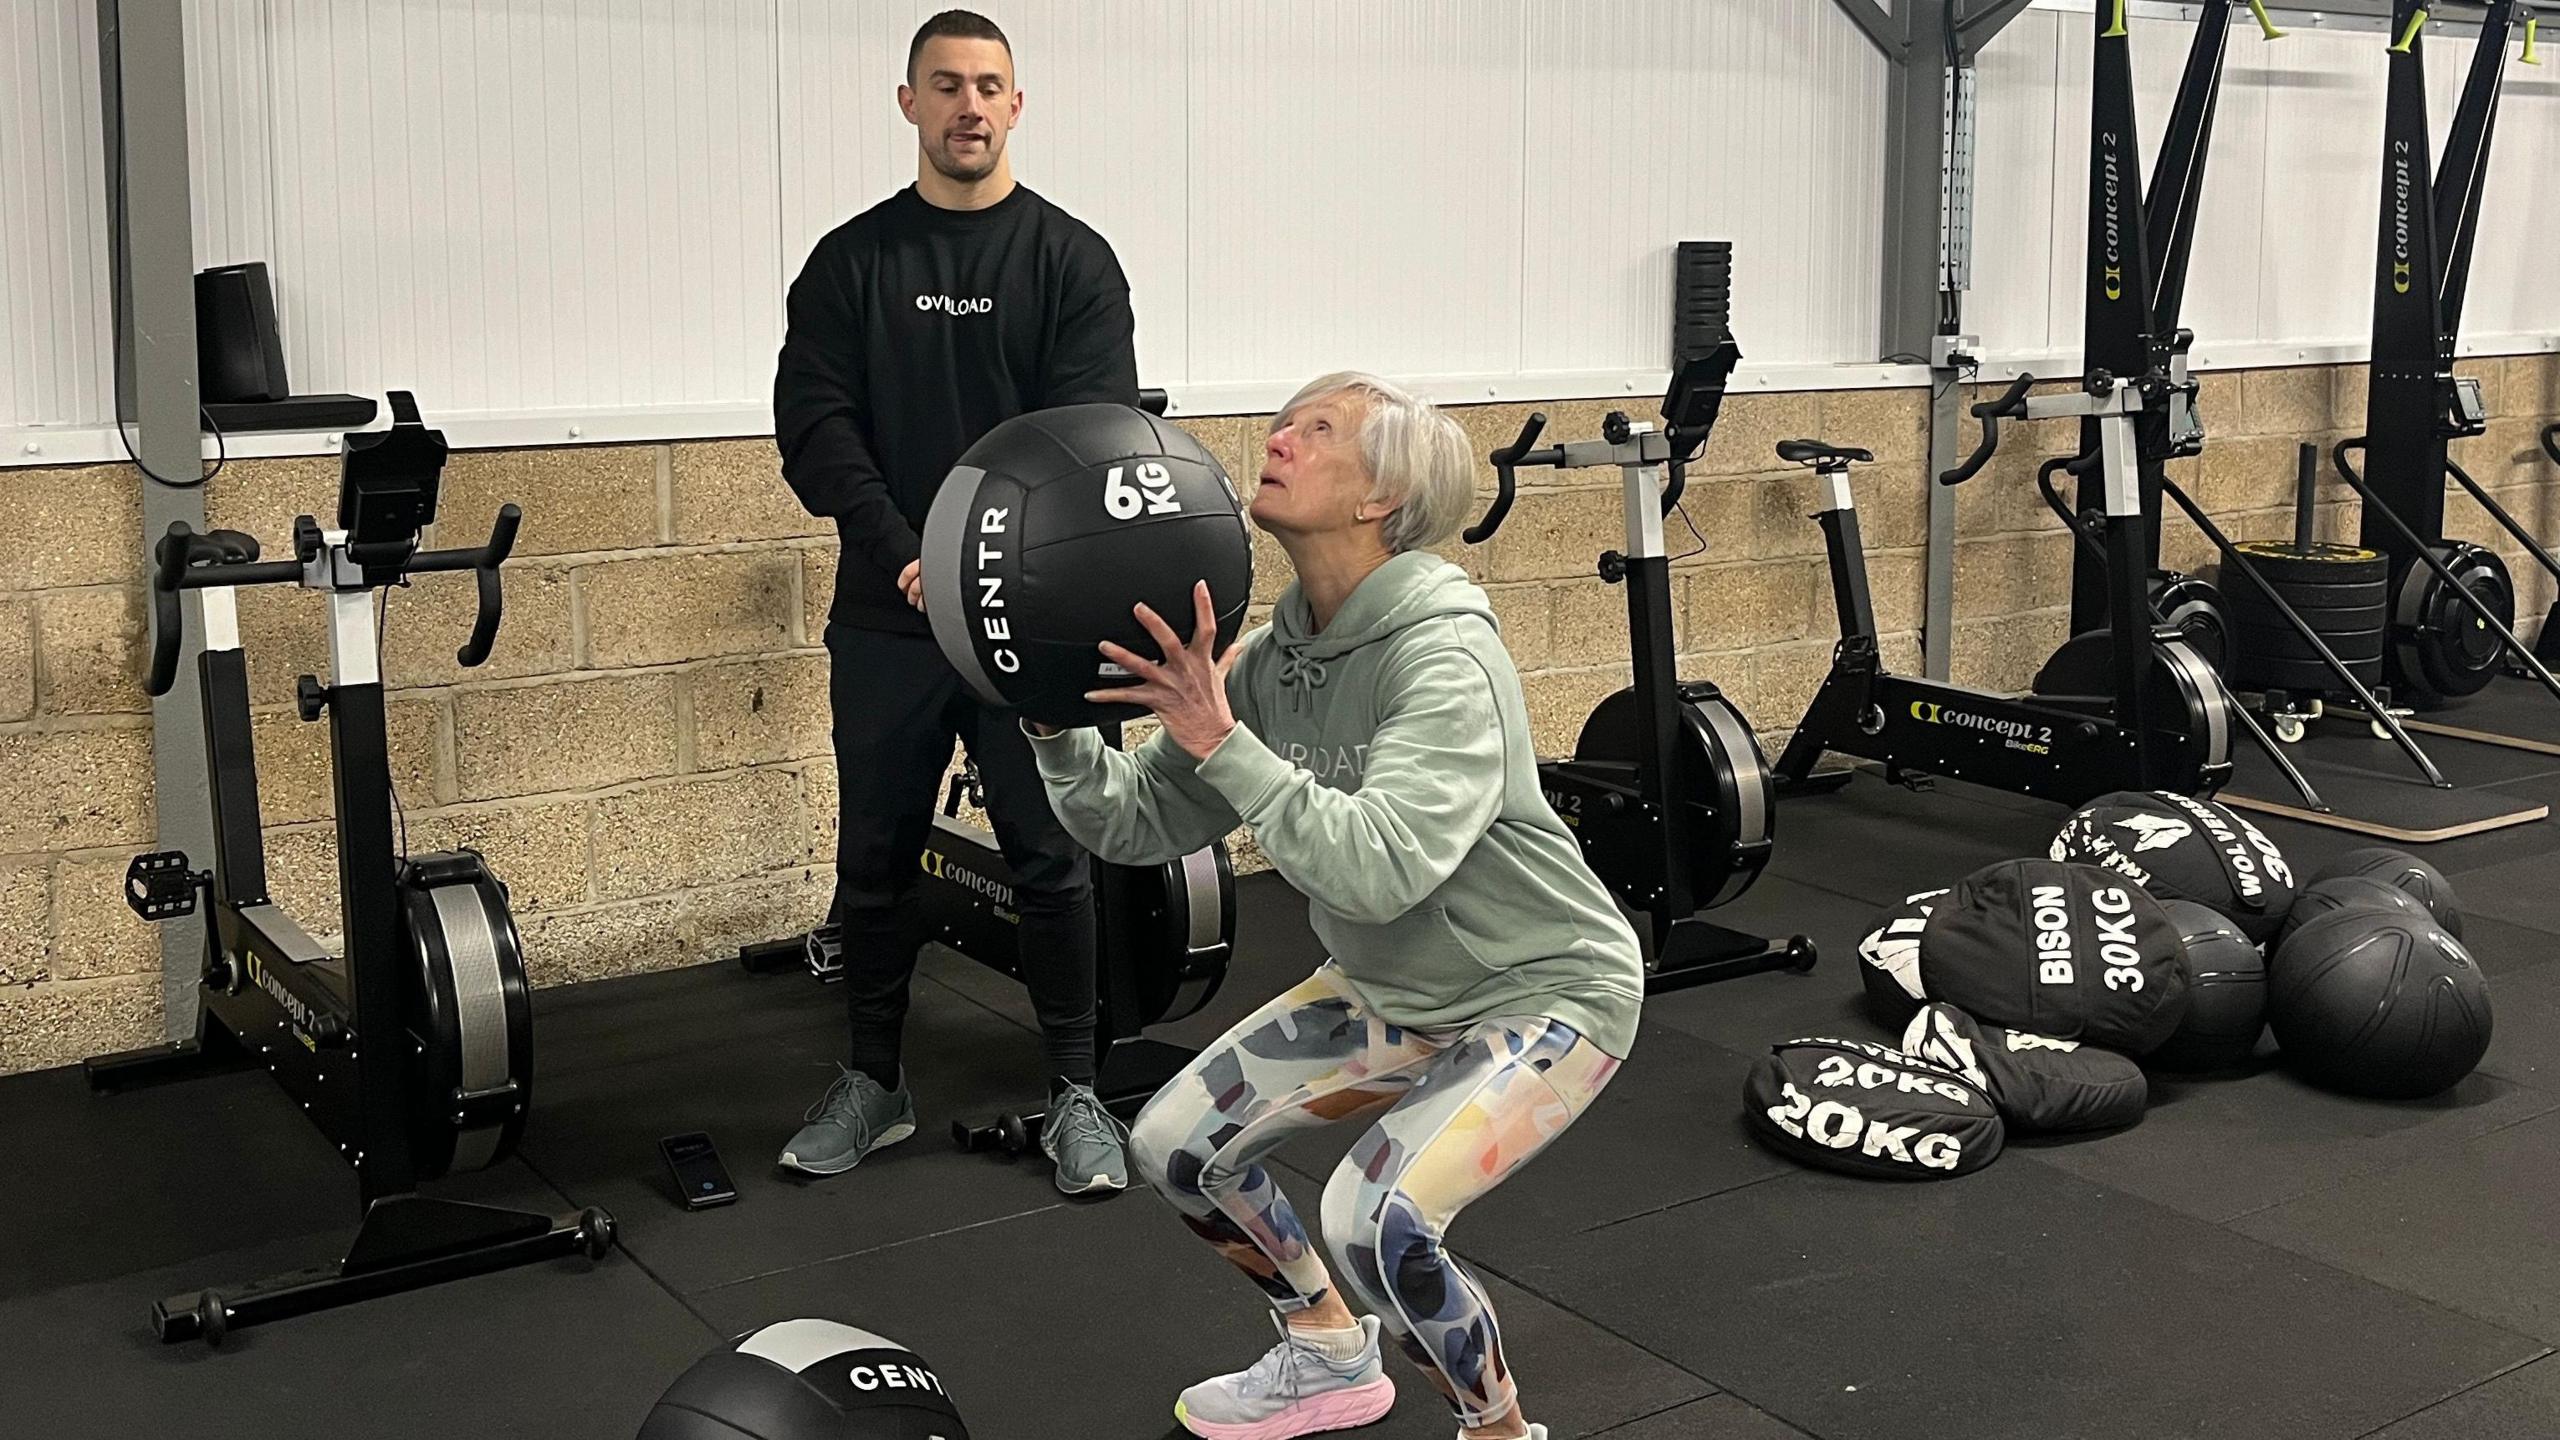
[{"x": 1464, "y": 1108}]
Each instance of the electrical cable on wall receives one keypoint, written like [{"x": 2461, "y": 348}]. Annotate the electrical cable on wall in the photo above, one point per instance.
[{"x": 221, "y": 454}]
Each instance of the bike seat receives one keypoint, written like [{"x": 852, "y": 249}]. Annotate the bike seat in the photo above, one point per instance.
[{"x": 1819, "y": 455}]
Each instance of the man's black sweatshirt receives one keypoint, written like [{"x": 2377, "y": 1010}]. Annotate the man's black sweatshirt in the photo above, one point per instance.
[{"x": 913, "y": 330}]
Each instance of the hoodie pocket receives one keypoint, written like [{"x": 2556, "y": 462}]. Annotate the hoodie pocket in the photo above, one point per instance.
[{"x": 1415, "y": 964}]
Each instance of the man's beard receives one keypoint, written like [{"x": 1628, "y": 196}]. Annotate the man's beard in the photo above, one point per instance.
[{"x": 951, "y": 167}]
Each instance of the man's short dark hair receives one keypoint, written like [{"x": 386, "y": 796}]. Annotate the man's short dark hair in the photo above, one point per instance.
[{"x": 959, "y": 25}]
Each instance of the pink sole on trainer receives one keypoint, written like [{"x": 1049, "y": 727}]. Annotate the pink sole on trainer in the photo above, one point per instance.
[{"x": 1334, "y": 1410}]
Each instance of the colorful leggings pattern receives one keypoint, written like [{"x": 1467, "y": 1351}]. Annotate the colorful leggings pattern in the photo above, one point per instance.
[{"x": 1464, "y": 1109}]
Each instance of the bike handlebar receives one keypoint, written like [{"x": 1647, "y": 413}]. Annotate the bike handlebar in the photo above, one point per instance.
[
  {"x": 2011, "y": 405},
  {"x": 1505, "y": 460},
  {"x": 191, "y": 561}
]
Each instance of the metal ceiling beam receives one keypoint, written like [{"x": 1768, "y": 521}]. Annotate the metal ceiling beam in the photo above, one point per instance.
[{"x": 1877, "y": 21}]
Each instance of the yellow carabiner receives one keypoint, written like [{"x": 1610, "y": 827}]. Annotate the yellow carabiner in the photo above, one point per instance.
[
  {"x": 2117, "y": 28},
  {"x": 2531, "y": 22},
  {"x": 2266, "y": 23}
]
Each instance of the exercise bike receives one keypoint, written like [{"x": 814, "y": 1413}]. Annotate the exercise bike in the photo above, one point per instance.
[
  {"x": 2164, "y": 722},
  {"x": 412, "y": 1050},
  {"x": 1166, "y": 935},
  {"x": 1666, "y": 790}
]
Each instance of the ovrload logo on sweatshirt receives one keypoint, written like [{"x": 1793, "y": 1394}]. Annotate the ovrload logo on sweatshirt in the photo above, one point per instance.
[
  {"x": 1328, "y": 762},
  {"x": 969, "y": 305}
]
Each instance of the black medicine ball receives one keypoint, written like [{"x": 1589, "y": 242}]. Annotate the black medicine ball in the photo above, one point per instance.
[
  {"x": 2181, "y": 848},
  {"x": 2403, "y": 871},
  {"x": 2070, "y": 951},
  {"x": 807, "y": 1380},
  {"x": 1052, "y": 528},
  {"x": 1889, "y": 958},
  {"x": 2351, "y": 892},
  {"x": 2226, "y": 994},
  {"x": 2378, "y": 1002},
  {"x": 1864, "y": 1109}
]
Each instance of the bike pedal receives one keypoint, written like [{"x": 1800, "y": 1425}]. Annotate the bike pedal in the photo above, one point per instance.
[
  {"x": 824, "y": 953},
  {"x": 159, "y": 886}
]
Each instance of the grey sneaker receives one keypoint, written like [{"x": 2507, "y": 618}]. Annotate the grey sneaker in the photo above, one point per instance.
[
  {"x": 1084, "y": 1142},
  {"x": 856, "y": 1118},
  {"x": 1291, "y": 1390}
]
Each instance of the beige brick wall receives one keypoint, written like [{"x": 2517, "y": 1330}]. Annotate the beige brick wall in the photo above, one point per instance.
[{"x": 645, "y": 758}]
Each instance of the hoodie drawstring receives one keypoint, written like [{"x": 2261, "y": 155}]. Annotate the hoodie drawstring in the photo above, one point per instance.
[{"x": 1300, "y": 674}]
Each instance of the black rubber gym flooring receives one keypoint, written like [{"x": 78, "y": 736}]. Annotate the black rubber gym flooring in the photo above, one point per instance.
[{"x": 2256, "y": 1259}]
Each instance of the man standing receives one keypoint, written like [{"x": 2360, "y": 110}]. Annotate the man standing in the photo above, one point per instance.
[{"x": 914, "y": 328}]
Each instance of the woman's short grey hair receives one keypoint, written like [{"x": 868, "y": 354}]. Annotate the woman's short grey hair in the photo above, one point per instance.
[{"x": 1416, "y": 456}]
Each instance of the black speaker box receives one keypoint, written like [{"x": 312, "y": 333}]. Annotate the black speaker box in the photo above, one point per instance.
[{"x": 239, "y": 356}]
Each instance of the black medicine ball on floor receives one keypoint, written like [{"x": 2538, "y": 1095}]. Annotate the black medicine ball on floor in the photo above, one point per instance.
[
  {"x": 2403, "y": 871},
  {"x": 2181, "y": 848},
  {"x": 2226, "y": 994},
  {"x": 2350, "y": 892},
  {"x": 807, "y": 1380},
  {"x": 1052, "y": 528},
  {"x": 2378, "y": 1002}
]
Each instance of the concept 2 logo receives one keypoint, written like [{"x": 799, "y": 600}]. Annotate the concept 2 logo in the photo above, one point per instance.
[
  {"x": 2400, "y": 272},
  {"x": 943, "y": 867},
  {"x": 2113, "y": 274},
  {"x": 1930, "y": 712}
]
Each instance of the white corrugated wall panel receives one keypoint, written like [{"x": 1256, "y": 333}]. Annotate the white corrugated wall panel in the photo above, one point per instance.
[
  {"x": 2322, "y": 163},
  {"x": 580, "y": 205},
  {"x": 2511, "y": 290},
  {"x": 844, "y": 146},
  {"x": 229, "y": 128},
  {"x": 2224, "y": 293},
  {"x": 2017, "y": 208},
  {"x": 555, "y": 204},
  {"x": 57, "y": 357},
  {"x": 1356, "y": 189},
  {"x": 1649, "y": 122},
  {"x": 1106, "y": 101},
  {"x": 1105, "y": 130},
  {"x": 505, "y": 204}
]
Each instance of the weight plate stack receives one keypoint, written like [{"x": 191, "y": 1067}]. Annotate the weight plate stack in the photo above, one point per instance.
[{"x": 2342, "y": 594}]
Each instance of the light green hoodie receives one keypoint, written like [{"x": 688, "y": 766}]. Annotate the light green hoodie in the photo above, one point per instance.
[{"x": 1385, "y": 767}]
